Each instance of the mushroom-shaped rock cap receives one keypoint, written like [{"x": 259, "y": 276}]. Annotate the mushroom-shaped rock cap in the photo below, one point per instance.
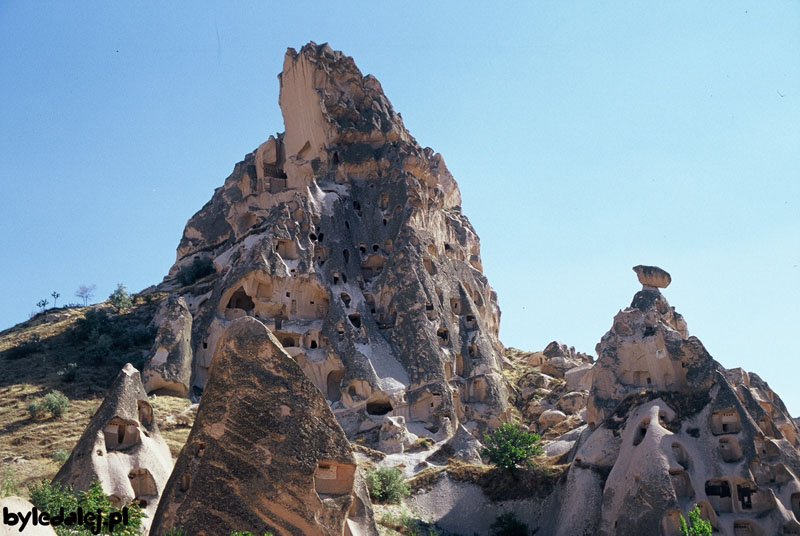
[{"x": 652, "y": 276}]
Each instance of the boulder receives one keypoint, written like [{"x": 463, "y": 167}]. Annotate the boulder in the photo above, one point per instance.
[
  {"x": 652, "y": 276},
  {"x": 550, "y": 417},
  {"x": 393, "y": 436}
]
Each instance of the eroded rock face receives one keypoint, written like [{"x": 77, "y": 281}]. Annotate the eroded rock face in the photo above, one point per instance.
[
  {"x": 346, "y": 238},
  {"x": 168, "y": 369},
  {"x": 670, "y": 428},
  {"x": 265, "y": 452},
  {"x": 122, "y": 447}
]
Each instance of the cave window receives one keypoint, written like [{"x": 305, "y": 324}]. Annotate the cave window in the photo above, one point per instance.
[
  {"x": 649, "y": 381},
  {"x": 205, "y": 345},
  {"x": 355, "y": 319},
  {"x": 375, "y": 247},
  {"x": 379, "y": 406},
  {"x": 335, "y": 159},
  {"x": 320, "y": 237},
  {"x": 443, "y": 335},
  {"x": 335, "y": 278},
  {"x": 745, "y": 497},
  {"x": 313, "y": 237},
  {"x": 344, "y": 278},
  {"x": 346, "y": 255},
  {"x": 385, "y": 221},
  {"x": 347, "y": 224},
  {"x": 313, "y": 344},
  {"x": 641, "y": 432},
  {"x": 287, "y": 342},
  {"x": 240, "y": 300},
  {"x": 345, "y": 299}
]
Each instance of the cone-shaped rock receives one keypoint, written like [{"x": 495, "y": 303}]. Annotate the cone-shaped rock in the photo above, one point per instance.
[
  {"x": 265, "y": 452},
  {"x": 122, "y": 447},
  {"x": 346, "y": 238}
]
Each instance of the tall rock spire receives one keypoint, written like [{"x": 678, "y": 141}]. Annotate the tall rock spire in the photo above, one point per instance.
[{"x": 346, "y": 238}]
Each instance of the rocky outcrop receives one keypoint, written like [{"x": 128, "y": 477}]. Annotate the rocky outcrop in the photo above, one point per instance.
[
  {"x": 669, "y": 428},
  {"x": 168, "y": 369},
  {"x": 265, "y": 452},
  {"x": 122, "y": 448},
  {"x": 347, "y": 239}
]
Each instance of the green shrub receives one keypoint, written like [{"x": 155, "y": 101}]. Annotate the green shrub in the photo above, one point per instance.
[
  {"x": 36, "y": 409},
  {"x": 9, "y": 482},
  {"x": 69, "y": 373},
  {"x": 95, "y": 321},
  {"x": 698, "y": 526},
  {"x": 60, "y": 455},
  {"x": 51, "y": 498},
  {"x": 120, "y": 299},
  {"x": 175, "y": 531},
  {"x": 56, "y": 402},
  {"x": 386, "y": 485},
  {"x": 508, "y": 525},
  {"x": 197, "y": 270},
  {"x": 511, "y": 444}
]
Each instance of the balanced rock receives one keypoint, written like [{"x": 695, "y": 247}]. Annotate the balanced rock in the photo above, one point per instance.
[
  {"x": 265, "y": 453},
  {"x": 669, "y": 428},
  {"x": 346, "y": 238},
  {"x": 122, "y": 448},
  {"x": 652, "y": 276},
  {"x": 168, "y": 370}
]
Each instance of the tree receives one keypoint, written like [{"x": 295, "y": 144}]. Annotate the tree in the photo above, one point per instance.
[
  {"x": 42, "y": 304},
  {"x": 120, "y": 299},
  {"x": 511, "y": 444},
  {"x": 55, "y": 296},
  {"x": 386, "y": 485},
  {"x": 698, "y": 525},
  {"x": 86, "y": 293}
]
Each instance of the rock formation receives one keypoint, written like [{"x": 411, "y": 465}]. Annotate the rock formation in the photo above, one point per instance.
[
  {"x": 668, "y": 428},
  {"x": 265, "y": 452},
  {"x": 346, "y": 238},
  {"x": 122, "y": 448},
  {"x": 168, "y": 370}
]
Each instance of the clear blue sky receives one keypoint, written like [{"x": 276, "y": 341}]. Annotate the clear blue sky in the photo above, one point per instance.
[{"x": 585, "y": 140}]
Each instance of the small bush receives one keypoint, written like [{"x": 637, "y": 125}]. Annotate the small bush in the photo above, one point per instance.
[
  {"x": 386, "y": 485},
  {"x": 175, "y": 531},
  {"x": 50, "y": 498},
  {"x": 36, "y": 409},
  {"x": 508, "y": 525},
  {"x": 511, "y": 444},
  {"x": 69, "y": 373},
  {"x": 9, "y": 482},
  {"x": 56, "y": 402},
  {"x": 698, "y": 526},
  {"x": 60, "y": 455},
  {"x": 197, "y": 270},
  {"x": 120, "y": 299},
  {"x": 95, "y": 321}
]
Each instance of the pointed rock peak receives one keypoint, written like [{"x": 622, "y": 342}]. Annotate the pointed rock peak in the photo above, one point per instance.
[
  {"x": 652, "y": 276},
  {"x": 325, "y": 100}
]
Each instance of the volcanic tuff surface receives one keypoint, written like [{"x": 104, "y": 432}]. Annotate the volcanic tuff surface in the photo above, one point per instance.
[
  {"x": 668, "y": 427},
  {"x": 265, "y": 452},
  {"x": 345, "y": 238}
]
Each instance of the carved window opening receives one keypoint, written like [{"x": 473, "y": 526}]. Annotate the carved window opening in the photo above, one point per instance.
[
  {"x": 332, "y": 478},
  {"x": 332, "y": 384},
  {"x": 145, "y": 412},
  {"x": 379, "y": 404},
  {"x": 240, "y": 300}
]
